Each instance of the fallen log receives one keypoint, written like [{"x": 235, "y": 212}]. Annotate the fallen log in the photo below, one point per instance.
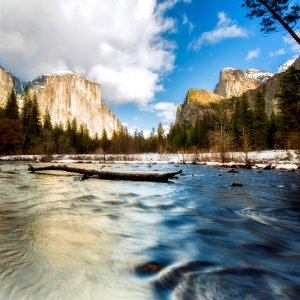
[{"x": 157, "y": 177}]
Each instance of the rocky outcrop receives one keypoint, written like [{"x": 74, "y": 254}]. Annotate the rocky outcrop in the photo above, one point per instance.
[
  {"x": 195, "y": 105},
  {"x": 7, "y": 83},
  {"x": 66, "y": 96},
  {"x": 235, "y": 82}
]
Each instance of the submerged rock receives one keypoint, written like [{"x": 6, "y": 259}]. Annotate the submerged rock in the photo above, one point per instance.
[
  {"x": 236, "y": 184},
  {"x": 149, "y": 268},
  {"x": 232, "y": 170}
]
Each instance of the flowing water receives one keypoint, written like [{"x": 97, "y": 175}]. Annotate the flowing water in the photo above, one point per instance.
[{"x": 195, "y": 237}]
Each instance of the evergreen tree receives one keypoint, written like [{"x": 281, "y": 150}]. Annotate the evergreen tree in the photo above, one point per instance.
[
  {"x": 242, "y": 124},
  {"x": 105, "y": 142},
  {"x": 289, "y": 104},
  {"x": 272, "y": 131},
  {"x": 11, "y": 110},
  {"x": 260, "y": 122},
  {"x": 83, "y": 140},
  {"x": 275, "y": 14},
  {"x": 47, "y": 121},
  {"x": 26, "y": 110},
  {"x": 10, "y": 127}
]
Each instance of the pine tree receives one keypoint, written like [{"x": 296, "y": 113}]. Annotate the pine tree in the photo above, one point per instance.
[
  {"x": 272, "y": 131},
  {"x": 276, "y": 15},
  {"x": 11, "y": 110},
  {"x": 47, "y": 121},
  {"x": 105, "y": 142},
  {"x": 289, "y": 104},
  {"x": 260, "y": 122},
  {"x": 26, "y": 110},
  {"x": 35, "y": 117}
]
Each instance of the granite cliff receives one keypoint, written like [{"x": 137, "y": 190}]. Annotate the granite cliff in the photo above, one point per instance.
[
  {"x": 235, "y": 82},
  {"x": 195, "y": 105},
  {"x": 7, "y": 83},
  {"x": 66, "y": 95}
]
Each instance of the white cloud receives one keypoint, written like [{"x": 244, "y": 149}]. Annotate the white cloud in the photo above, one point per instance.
[
  {"x": 166, "y": 111},
  {"x": 279, "y": 52},
  {"x": 119, "y": 44},
  {"x": 253, "y": 54},
  {"x": 186, "y": 22},
  {"x": 226, "y": 28}
]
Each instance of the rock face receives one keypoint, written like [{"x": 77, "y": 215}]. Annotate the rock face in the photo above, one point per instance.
[
  {"x": 66, "y": 95},
  {"x": 195, "y": 105},
  {"x": 7, "y": 83},
  {"x": 235, "y": 82}
]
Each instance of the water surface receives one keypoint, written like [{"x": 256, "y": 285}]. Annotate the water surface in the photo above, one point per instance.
[{"x": 61, "y": 238}]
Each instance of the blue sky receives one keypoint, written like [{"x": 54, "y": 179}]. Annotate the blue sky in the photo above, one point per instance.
[
  {"x": 146, "y": 54},
  {"x": 200, "y": 67}
]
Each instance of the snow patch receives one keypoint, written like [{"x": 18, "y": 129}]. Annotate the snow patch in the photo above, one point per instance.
[
  {"x": 229, "y": 69},
  {"x": 259, "y": 75},
  {"x": 61, "y": 73}
]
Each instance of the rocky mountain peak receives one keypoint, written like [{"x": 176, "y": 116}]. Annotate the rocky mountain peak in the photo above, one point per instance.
[
  {"x": 259, "y": 75},
  {"x": 196, "y": 103},
  {"x": 234, "y": 82}
]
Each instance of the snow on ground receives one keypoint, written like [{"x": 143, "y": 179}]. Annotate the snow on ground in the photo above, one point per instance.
[{"x": 278, "y": 159}]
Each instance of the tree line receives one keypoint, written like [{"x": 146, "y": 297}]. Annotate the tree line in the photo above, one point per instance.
[
  {"x": 26, "y": 131},
  {"x": 230, "y": 125}
]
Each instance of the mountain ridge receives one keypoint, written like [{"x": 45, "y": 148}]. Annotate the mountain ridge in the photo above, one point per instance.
[{"x": 233, "y": 83}]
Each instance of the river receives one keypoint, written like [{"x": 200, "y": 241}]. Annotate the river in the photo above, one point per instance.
[{"x": 61, "y": 238}]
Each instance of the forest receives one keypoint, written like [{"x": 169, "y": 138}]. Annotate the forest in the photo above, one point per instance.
[{"x": 229, "y": 125}]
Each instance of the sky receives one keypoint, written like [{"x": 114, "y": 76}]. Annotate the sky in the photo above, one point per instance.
[{"x": 145, "y": 54}]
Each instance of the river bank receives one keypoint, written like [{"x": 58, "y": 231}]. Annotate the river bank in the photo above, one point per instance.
[{"x": 271, "y": 159}]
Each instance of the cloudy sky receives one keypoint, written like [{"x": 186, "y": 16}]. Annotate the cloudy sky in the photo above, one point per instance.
[{"x": 145, "y": 54}]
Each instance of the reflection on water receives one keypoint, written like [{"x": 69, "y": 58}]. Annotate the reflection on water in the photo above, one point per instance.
[{"x": 67, "y": 239}]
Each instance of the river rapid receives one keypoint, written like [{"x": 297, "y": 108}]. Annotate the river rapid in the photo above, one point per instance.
[{"x": 195, "y": 237}]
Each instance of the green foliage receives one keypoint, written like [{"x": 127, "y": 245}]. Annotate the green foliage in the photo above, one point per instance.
[
  {"x": 289, "y": 104},
  {"x": 260, "y": 122},
  {"x": 275, "y": 14},
  {"x": 11, "y": 110},
  {"x": 47, "y": 121},
  {"x": 104, "y": 142},
  {"x": 10, "y": 127},
  {"x": 242, "y": 124}
]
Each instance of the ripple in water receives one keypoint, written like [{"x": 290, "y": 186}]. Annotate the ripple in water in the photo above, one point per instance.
[{"x": 194, "y": 238}]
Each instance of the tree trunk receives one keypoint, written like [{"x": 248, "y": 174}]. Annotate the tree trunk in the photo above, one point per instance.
[
  {"x": 156, "y": 177},
  {"x": 281, "y": 21}
]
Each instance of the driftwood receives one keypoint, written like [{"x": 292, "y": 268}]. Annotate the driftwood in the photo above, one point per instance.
[{"x": 158, "y": 177}]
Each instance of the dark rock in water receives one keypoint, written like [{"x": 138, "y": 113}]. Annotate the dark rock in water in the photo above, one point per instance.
[
  {"x": 236, "y": 184},
  {"x": 232, "y": 170},
  {"x": 245, "y": 166},
  {"x": 149, "y": 268},
  {"x": 259, "y": 171},
  {"x": 268, "y": 167}
]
